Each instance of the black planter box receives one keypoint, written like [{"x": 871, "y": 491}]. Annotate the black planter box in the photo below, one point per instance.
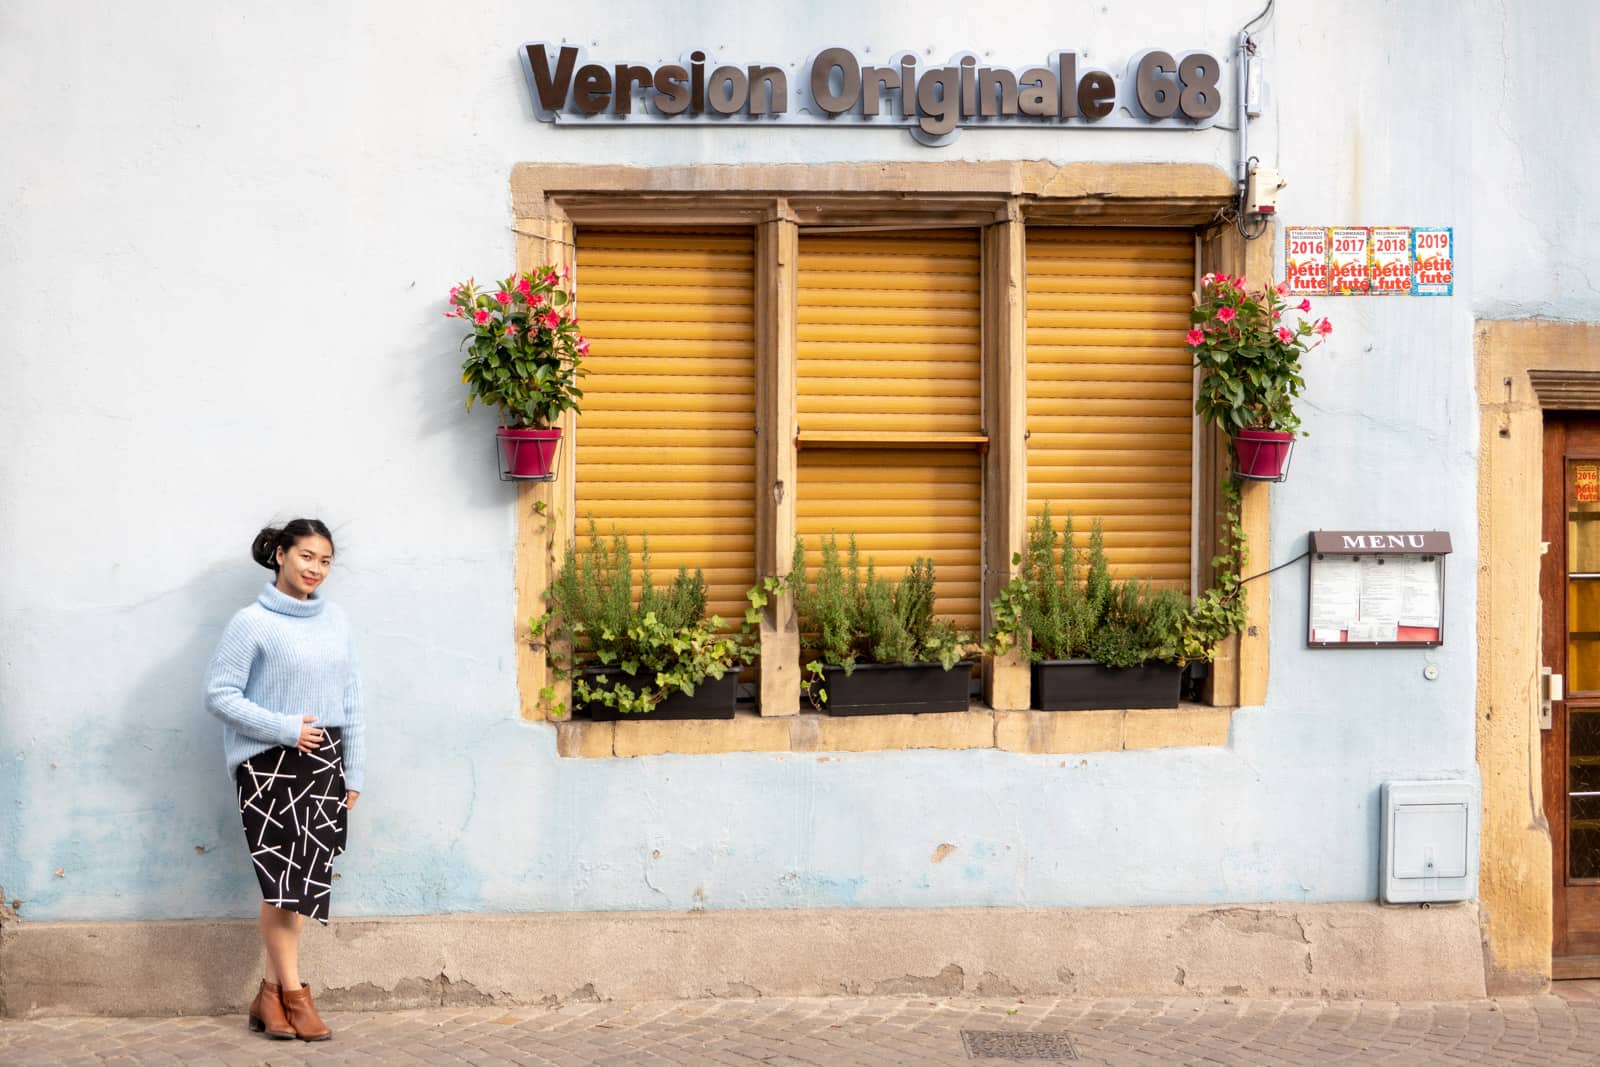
[
  {"x": 713, "y": 698},
  {"x": 1083, "y": 685},
  {"x": 896, "y": 689}
]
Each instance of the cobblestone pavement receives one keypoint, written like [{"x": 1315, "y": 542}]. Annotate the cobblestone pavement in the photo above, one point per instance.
[{"x": 866, "y": 1032}]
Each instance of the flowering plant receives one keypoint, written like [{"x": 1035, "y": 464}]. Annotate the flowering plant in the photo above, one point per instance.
[
  {"x": 525, "y": 353},
  {"x": 1248, "y": 358}
]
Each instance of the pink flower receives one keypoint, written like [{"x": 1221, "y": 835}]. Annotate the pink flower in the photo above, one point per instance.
[
  {"x": 551, "y": 320},
  {"x": 1285, "y": 334},
  {"x": 511, "y": 329},
  {"x": 566, "y": 272},
  {"x": 503, "y": 296},
  {"x": 1207, "y": 279},
  {"x": 480, "y": 317},
  {"x": 1226, "y": 314},
  {"x": 523, "y": 285},
  {"x": 454, "y": 289},
  {"x": 1281, "y": 288},
  {"x": 1324, "y": 328},
  {"x": 550, "y": 277},
  {"x": 1305, "y": 305},
  {"x": 453, "y": 313},
  {"x": 583, "y": 346},
  {"x": 536, "y": 300},
  {"x": 1196, "y": 337}
]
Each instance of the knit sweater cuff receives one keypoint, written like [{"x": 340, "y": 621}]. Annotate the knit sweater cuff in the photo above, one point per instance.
[{"x": 289, "y": 732}]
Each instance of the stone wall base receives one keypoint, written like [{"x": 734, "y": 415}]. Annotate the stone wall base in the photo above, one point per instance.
[{"x": 201, "y": 967}]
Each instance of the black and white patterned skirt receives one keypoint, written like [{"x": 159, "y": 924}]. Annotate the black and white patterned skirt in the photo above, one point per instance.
[{"x": 292, "y": 803}]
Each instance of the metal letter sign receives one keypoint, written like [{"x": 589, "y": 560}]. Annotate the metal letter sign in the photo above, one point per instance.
[{"x": 1157, "y": 90}]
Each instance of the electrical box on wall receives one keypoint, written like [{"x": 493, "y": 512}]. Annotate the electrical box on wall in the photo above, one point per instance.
[
  {"x": 1428, "y": 844},
  {"x": 1261, "y": 191}
]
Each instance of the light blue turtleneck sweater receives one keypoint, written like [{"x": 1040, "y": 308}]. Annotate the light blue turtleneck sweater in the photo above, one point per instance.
[{"x": 280, "y": 659}]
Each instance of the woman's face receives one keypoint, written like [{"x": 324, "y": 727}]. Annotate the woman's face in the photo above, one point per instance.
[{"x": 303, "y": 566}]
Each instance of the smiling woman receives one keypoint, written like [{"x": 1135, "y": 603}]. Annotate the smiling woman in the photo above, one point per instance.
[{"x": 283, "y": 681}]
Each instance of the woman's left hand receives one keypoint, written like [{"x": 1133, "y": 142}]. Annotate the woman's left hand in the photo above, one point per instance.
[{"x": 350, "y": 798}]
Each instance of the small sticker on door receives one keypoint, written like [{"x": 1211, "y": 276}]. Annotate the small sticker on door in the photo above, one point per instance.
[{"x": 1586, "y": 483}]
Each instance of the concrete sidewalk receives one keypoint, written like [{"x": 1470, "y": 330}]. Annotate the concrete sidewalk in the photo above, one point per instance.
[{"x": 1559, "y": 1029}]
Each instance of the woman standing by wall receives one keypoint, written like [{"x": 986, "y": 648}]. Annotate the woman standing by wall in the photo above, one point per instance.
[{"x": 283, "y": 681}]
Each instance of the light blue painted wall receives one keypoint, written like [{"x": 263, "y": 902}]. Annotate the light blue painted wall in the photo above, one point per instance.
[{"x": 224, "y": 239}]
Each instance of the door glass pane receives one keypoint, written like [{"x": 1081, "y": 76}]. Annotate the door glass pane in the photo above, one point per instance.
[
  {"x": 1583, "y": 810},
  {"x": 1583, "y": 570}
]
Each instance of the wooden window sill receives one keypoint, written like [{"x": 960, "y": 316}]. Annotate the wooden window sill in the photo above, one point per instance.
[{"x": 1031, "y": 732}]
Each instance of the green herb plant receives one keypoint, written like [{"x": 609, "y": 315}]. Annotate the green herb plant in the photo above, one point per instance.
[
  {"x": 1062, "y": 603},
  {"x": 646, "y": 646},
  {"x": 1142, "y": 623},
  {"x": 851, "y": 614}
]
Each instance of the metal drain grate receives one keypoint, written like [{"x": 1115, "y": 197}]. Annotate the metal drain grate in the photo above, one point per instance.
[{"x": 1017, "y": 1045}]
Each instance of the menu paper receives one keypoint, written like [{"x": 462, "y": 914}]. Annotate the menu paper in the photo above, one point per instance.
[
  {"x": 1335, "y": 593},
  {"x": 1380, "y": 590},
  {"x": 1374, "y": 630},
  {"x": 1419, "y": 592},
  {"x": 1305, "y": 258},
  {"x": 1389, "y": 260}
]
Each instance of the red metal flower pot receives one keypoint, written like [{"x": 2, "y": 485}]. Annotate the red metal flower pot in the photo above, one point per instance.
[
  {"x": 1262, "y": 454},
  {"x": 528, "y": 454}
]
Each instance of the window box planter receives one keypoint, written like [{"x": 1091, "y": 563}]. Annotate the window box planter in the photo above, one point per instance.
[
  {"x": 1083, "y": 685},
  {"x": 713, "y": 698},
  {"x": 896, "y": 689}
]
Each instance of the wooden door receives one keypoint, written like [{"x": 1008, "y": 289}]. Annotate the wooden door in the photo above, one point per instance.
[{"x": 1570, "y": 589}]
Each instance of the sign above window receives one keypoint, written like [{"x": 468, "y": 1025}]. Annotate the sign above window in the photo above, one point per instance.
[{"x": 836, "y": 87}]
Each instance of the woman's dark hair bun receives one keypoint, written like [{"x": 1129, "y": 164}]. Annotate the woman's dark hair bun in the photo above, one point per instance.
[{"x": 264, "y": 549}]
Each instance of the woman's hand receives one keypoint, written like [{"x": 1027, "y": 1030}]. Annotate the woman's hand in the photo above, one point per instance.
[
  {"x": 310, "y": 736},
  {"x": 350, "y": 797}
]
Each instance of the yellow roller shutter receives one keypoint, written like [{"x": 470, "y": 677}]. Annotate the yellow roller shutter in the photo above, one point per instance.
[
  {"x": 666, "y": 439},
  {"x": 889, "y": 348},
  {"x": 1110, "y": 390},
  {"x": 901, "y": 504},
  {"x": 889, "y": 333}
]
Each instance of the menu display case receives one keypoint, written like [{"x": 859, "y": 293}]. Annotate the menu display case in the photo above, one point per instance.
[{"x": 1376, "y": 588}]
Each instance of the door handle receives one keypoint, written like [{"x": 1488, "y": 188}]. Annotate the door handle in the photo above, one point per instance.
[{"x": 1550, "y": 691}]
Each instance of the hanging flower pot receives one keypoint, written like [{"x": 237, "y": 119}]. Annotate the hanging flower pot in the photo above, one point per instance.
[
  {"x": 525, "y": 357},
  {"x": 1250, "y": 377},
  {"x": 528, "y": 454},
  {"x": 1262, "y": 454}
]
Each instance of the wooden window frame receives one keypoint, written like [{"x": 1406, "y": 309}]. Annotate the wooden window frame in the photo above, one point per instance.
[{"x": 1000, "y": 199}]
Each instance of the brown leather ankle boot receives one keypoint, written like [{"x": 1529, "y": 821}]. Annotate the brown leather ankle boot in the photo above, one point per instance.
[
  {"x": 308, "y": 1025},
  {"x": 266, "y": 1013}
]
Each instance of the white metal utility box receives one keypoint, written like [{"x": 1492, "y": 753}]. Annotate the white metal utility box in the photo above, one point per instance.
[{"x": 1428, "y": 846}]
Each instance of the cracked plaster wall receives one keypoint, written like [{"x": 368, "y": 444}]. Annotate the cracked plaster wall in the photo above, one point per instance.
[{"x": 224, "y": 246}]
